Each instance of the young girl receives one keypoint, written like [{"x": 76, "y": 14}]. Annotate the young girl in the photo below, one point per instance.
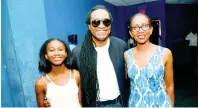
[
  {"x": 149, "y": 67},
  {"x": 61, "y": 82}
]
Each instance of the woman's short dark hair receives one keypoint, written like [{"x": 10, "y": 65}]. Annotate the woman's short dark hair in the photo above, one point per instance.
[
  {"x": 96, "y": 8},
  {"x": 45, "y": 66},
  {"x": 137, "y": 14}
]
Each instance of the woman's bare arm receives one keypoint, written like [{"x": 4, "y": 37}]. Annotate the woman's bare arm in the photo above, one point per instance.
[
  {"x": 77, "y": 75},
  {"x": 168, "y": 75},
  {"x": 40, "y": 92}
]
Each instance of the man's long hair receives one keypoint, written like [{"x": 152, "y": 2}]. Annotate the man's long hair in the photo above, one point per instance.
[
  {"x": 88, "y": 71},
  {"x": 88, "y": 66}
]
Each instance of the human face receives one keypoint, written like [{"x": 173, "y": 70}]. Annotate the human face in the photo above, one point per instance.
[
  {"x": 140, "y": 29},
  {"x": 100, "y": 32},
  {"x": 56, "y": 53}
]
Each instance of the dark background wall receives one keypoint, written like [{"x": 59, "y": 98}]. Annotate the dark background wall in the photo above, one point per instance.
[
  {"x": 155, "y": 10},
  {"x": 180, "y": 19}
]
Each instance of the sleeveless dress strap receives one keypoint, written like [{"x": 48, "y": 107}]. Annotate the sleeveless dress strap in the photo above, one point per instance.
[
  {"x": 48, "y": 77},
  {"x": 71, "y": 74},
  {"x": 130, "y": 56},
  {"x": 44, "y": 80},
  {"x": 161, "y": 51},
  {"x": 74, "y": 75}
]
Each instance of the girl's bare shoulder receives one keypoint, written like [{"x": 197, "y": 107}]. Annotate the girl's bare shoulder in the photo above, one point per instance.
[{"x": 42, "y": 81}]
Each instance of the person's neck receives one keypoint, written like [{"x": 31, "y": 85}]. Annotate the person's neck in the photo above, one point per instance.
[
  {"x": 144, "y": 47},
  {"x": 59, "y": 69},
  {"x": 99, "y": 43}
]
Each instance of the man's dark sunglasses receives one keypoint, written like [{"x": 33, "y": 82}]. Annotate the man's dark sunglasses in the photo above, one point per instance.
[{"x": 96, "y": 23}]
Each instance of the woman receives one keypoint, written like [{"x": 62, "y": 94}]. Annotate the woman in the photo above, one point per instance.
[
  {"x": 149, "y": 68},
  {"x": 61, "y": 82}
]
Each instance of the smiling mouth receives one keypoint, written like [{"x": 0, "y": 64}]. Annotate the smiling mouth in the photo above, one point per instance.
[
  {"x": 57, "y": 58},
  {"x": 102, "y": 31},
  {"x": 141, "y": 36}
]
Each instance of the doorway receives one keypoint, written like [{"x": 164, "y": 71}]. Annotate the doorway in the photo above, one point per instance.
[{"x": 156, "y": 34}]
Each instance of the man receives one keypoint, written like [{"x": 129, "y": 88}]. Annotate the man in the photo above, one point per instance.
[{"x": 101, "y": 62}]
